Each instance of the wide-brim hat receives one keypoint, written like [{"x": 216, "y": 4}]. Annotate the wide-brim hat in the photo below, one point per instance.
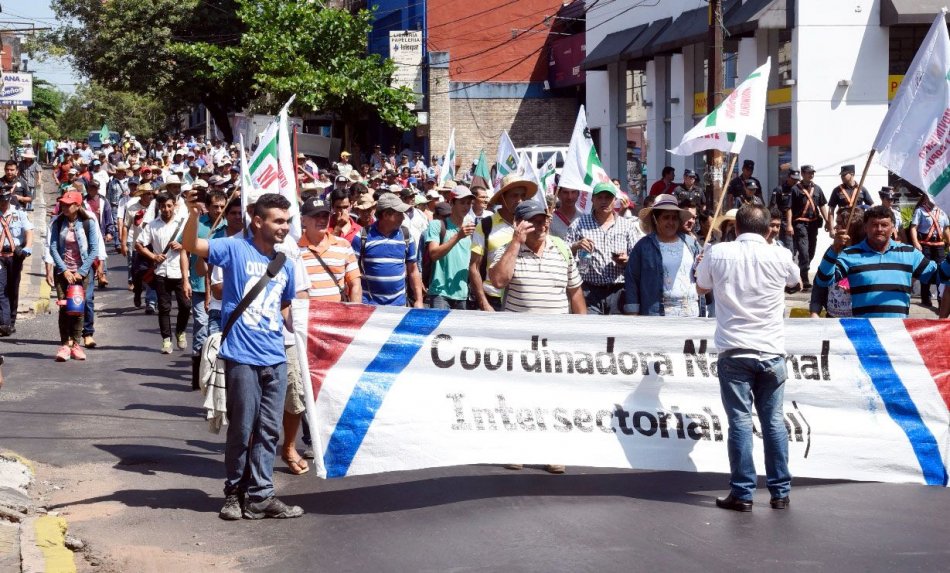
[
  {"x": 664, "y": 202},
  {"x": 513, "y": 181},
  {"x": 28, "y": 154},
  {"x": 171, "y": 180},
  {"x": 729, "y": 215}
]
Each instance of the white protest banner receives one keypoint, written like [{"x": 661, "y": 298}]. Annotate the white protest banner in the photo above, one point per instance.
[
  {"x": 914, "y": 138},
  {"x": 582, "y": 167},
  {"x": 272, "y": 168},
  {"x": 401, "y": 389},
  {"x": 506, "y": 159},
  {"x": 740, "y": 115},
  {"x": 527, "y": 170},
  {"x": 547, "y": 173}
]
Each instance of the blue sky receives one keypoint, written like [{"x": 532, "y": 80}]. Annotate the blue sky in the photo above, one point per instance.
[{"x": 22, "y": 14}]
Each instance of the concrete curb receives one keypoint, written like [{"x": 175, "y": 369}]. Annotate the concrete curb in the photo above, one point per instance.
[
  {"x": 36, "y": 285},
  {"x": 30, "y": 539}
]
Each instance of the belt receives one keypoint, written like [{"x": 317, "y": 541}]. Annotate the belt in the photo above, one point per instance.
[
  {"x": 611, "y": 287},
  {"x": 733, "y": 351}
]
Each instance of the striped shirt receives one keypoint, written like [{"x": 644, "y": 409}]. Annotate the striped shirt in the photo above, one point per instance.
[
  {"x": 539, "y": 283},
  {"x": 338, "y": 255},
  {"x": 618, "y": 237},
  {"x": 880, "y": 282},
  {"x": 384, "y": 266}
]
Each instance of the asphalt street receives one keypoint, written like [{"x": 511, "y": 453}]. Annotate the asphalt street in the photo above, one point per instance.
[{"x": 123, "y": 453}]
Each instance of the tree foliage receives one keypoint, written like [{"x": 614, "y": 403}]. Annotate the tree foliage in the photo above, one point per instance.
[
  {"x": 18, "y": 127},
  {"x": 227, "y": 53},
  {"x": 93, "y": 105}
]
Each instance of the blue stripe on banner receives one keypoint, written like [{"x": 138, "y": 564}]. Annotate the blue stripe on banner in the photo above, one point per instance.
[
  {"x": 876, "y": 362},
  {"x": 372, "y": 387}
]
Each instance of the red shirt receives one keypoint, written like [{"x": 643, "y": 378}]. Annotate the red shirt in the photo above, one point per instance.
[{"x": 661, "y": 187}]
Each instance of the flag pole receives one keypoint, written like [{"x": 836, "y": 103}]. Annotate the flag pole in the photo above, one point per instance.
[
  {"x": 857, "y": 192},
  {"x": 722, "y": 197}
]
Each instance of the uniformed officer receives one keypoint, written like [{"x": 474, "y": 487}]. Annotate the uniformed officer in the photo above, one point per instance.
[
  {"x": 737, "y": 186},
  {"x": 847, "y": 194},
  {"x": 808, "y": 209},
  {"x": 16, "y": 239},
  {"x": 888, "y": 198},
  {"x": 929, "y": 232},
  {"x": 781, "y": 200},
  {"x": 752, "y": 194},
  {"x": 692, "y": 194}
]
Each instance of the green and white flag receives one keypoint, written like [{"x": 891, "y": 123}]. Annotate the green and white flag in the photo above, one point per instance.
[
  {"x": 447, "y": 173},
  {"x": 506, "y": 160},
  {"x": 527, "y": 170},
  {"x": 914, "y": 138},
  {"x": 482, "y": 175},
  {"x": 272, "y": 169},
  {"x": 740, "y": 115},
  {"x": 104, "y": 134},
  {"x": 582, "y": 167},
  {"x": 546, "y": 175}
]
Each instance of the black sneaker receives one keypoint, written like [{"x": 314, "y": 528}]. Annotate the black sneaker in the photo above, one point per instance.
[
  {"x": 232, "y": 509},
  {"x": 137, "y": 300},
  {"x": 272, "y": 508}
]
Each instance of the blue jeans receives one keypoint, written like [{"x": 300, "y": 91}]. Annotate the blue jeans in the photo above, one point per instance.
[
  {"x": 89, "y": 319},
  {"x": 199, "y": 322},
  {"x": 742, "y": 383},
  {"x": 255, "y": 411},
  {"x": 604, "y": 299}
]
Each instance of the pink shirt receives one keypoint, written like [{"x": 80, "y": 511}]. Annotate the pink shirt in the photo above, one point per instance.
[{"x": 72, "y": 257}]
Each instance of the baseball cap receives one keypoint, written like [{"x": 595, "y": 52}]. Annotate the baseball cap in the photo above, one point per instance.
[
  {"x": 314, "y": 206},
  {"x": 342, "y": 179},
  {"x": 71, "y": 198},
  {"x": 389, "y": 201},
  {"x": 795, "y": 174},
  {"x": 605, "y": 187},
  {"x": 531, "y": 208},
  {"x": 407, "y": 191},
  {"x": 461, "y": 192},
  {"x": 807, "y": 169},
  {"x": 443, "y": 210}
]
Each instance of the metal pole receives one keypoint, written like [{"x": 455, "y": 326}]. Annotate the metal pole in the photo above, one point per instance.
[{"x": 714, "y": 84}]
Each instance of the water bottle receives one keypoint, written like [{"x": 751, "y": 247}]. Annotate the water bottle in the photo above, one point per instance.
[{"x": 583, "y": 260}]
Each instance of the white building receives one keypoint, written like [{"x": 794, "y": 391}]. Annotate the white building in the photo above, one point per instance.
[{"x": 835, "y": 66}]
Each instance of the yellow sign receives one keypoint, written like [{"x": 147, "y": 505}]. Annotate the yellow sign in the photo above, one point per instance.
[
  {"x": 893, "y": 82},
  {"x": 775, "y": 97},
  {"x": 699, "y": 102}
]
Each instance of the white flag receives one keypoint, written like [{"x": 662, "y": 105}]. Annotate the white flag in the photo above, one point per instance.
[
  {"x": 269, "y": 167},
  {"x": 247, "y": 184},
  {"x": 526, "y": 170},
  {"x": 447, "y": 173},
  {"x": 740, "y": 115},
  {"x": 547, "y": 174},
  {"x": 914, "y": 139},
  {"x": 506, "y": 160},
  {"x": 582, "y": 167}
]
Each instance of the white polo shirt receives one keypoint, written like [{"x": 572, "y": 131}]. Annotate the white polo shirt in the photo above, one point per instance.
[
  {"x": 158, "y": 234},
  {"x": 748, "y": 278}
]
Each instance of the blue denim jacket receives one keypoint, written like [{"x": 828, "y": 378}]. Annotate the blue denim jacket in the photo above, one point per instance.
[
  {"x": 88, "y": 246},
  {"x": 643, "y": 277}
]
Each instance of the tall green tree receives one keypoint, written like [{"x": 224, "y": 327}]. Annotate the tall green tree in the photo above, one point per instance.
[
  {"x": 127, "y": 46},
  {"x": 47, "y": 102},
  {"x": 93, "y": 105}
]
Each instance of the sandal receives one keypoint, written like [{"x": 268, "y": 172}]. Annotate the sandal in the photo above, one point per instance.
[{"x": 298, "y": 466}]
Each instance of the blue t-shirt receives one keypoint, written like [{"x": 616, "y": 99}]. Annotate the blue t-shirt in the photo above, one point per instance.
[
  {"x": 384, "y": 267},
  {"x": 257, "y": 337}
]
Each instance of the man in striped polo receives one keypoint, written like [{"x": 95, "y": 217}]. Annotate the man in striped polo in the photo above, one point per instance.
[
  {"x": 880, "y": 270},
  {"x": 387, "y": 258}
]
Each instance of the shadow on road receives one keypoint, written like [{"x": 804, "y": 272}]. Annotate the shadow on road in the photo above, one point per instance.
[
  {"x": 158, "y": 373},
  {"x": 171, "y": 387},
  {"x": 150, "y": 460},
  {"x": 174, "y": 410},
  {"x": 184, "y": 499}
]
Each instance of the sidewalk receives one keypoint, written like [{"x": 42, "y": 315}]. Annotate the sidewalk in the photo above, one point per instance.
[{"x": 34, "y": 292}]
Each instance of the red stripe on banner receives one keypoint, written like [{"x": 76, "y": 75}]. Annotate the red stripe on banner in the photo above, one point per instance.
[
  {"x": 332, "y": 327},
  {"x": 931, "y": 338}
]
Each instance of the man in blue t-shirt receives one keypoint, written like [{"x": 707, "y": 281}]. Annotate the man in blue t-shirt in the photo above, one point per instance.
[
  {"x": 253, "y": 351},
  {"x": 388, "y": 260}
]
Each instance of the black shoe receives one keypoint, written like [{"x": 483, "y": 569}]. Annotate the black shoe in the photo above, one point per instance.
[
  {"x": 5, "y": 330},
  {"x": 734, "y": 503},
  {"x": 272, "y": 508},
  {"x": 137, "y": 300},
  {"x": 233, "y": 507},
  {"x": 806, "y": 287},
  {"x": 779, "y": 502},
  {"x": 791, "y": 290}
]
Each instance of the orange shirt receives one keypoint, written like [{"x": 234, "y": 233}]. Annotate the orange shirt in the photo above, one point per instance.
[{"x": 339, "y": 257}]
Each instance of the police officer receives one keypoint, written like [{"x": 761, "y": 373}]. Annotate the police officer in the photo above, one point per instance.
[
  {"x": 929, "y": 231},
  {"x": 752, "y": 194},
  {"x": 781, "y": 200},
  {"x": 689, "y": 193},
  {"x": 888, "y": 198},
  {"x": 16, "y": 239},
  {"x": 808, "y": 209},
  {"x": 18, "y": 187},
  {"x": 737, "y": 186},
  {"x": 847, "y": 194}
]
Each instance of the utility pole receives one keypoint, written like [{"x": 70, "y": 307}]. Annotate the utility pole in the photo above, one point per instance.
[{"x": 714, "y": 84}]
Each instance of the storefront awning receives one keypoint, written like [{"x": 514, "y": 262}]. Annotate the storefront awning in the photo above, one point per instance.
[
  {"x": 690, "y": 27},
  {"x": 610, "y": 48},
  {"x": 642, "y": 47},
  {"x": 757, "y": 14},
  {"x": 896, "y": 12}
]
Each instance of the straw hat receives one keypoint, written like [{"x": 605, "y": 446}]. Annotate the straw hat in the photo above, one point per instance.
[
  {"x": 513, "y": 181},
  {"x": 729, "y": 215},
  {"x": 664, "y": 202}
]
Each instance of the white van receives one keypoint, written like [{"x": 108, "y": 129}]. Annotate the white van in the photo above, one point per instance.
[{"x": 540, "y": 153}]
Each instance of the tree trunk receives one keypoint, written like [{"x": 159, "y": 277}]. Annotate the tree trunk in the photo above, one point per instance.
[{"x": 220, "y": 116}]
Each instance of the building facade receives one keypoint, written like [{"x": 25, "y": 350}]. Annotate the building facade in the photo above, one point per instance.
[{"x": 835, "y": 67}]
